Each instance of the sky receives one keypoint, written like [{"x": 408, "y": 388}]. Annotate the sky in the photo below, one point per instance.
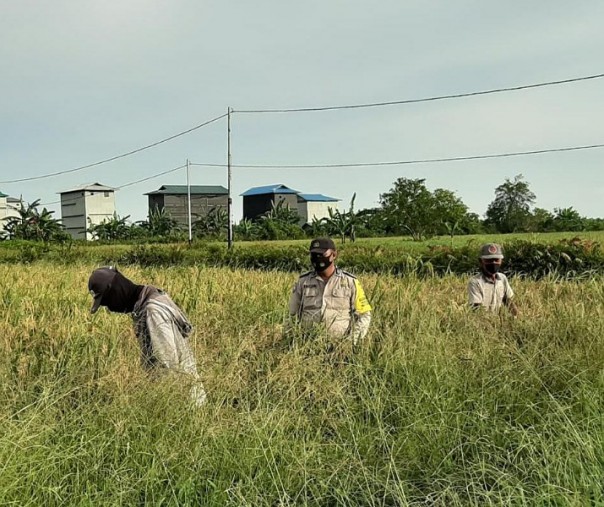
[{"x": 88, "y": 80}]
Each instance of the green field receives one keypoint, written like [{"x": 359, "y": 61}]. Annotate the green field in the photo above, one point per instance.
[
  {"x": 457, "y": 241},
  {"x": 439, "y": 406}
]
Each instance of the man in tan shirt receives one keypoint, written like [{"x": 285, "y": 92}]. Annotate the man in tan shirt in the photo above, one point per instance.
[
  {"x": 330, "y": 297},
  {"x": 491, "y": 289}
]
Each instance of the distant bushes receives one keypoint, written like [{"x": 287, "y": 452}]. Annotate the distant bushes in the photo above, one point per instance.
[{"x": 568, "y": 258}]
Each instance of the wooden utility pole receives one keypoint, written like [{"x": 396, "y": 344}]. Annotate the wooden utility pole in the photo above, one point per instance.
[
  {"x": 230, "y": 198},
  {"x": 189, "y": 202}
]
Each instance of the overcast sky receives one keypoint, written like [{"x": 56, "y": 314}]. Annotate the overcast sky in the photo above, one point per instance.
[{"x": 86, "y": 80}]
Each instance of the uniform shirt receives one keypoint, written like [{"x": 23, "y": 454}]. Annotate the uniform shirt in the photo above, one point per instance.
[
  {"x": 491, "y": 294},
  {"x": 162, "y": 330},
  {"x": 339, "y": 304}
]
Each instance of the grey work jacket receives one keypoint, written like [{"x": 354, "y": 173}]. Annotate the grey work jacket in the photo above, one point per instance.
[{"x": 162, "y": 330}]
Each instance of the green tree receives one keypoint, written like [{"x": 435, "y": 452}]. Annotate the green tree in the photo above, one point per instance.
[
  {"x": 281, "y": 222},
  {"x": 111, "y": 229},
  {"x": 371, "y": 222},
  {"x": 316, "y": 228},
  {"x": 510, "y": 211},
  {"x": 214, "y": 223},
  {"x": 159, "y": 223},
  {"x": 542, "y": 220},
  {"x": 410, "y": 208},
  {"x": 246, "y": 229},
  {"x": 568, "y": 219},
  {"x": 449, "y": 212},
  {"x": 342, "y": 224},
  {"x": 32, "y": 224}
]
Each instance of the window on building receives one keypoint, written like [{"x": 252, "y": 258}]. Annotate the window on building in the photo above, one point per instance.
[{"x": 106, "y": 194}]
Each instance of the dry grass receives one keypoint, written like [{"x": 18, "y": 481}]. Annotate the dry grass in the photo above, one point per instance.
[{"x": 439, "y": 406}]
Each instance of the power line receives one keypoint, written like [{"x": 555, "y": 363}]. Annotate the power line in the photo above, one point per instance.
[
  {"x": 327, "y": 108},
  {"x": 408, "y": 162},
  {"x": 151, "y": 177},
  {"x": 157, "y": 175},
  {"x": 425, "y": 99},
  {"x": 111, "y": 159}
]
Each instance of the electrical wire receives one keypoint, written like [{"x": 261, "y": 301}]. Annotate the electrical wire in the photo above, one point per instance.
[
  {"x": 406, "y": 162},
  {"x": 157, "y": 175},
  {"x": 328, "y": 108},
  {"x": 425, "y": 99},
  {"x": 111, "y": 159}
]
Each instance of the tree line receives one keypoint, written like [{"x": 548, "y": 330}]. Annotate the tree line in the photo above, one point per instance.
[{"x": 409, "y": 208}]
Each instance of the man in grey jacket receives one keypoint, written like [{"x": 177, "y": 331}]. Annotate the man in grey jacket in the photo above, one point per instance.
[{"x": 161, "y": 327}]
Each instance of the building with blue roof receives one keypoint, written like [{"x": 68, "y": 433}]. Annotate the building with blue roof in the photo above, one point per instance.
[
  {"x": 259, "y": 200},
  {"x": 315, "y": 206}
]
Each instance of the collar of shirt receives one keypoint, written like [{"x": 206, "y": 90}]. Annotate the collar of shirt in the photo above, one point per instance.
[
  {"x": 490, "y": 280},
  {"x": 336, "y": 273}
]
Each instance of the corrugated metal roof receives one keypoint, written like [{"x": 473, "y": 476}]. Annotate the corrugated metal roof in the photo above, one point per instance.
[
  {"x": 269, "y": 189},
  {"x": 98, "y": 187},
  {"x": 195, "y": 190},
  {"x": 318, "y": 198}
]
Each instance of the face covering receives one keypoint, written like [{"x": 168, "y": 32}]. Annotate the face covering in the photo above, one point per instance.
[
  {"x": 319, "y": 262},
  {"x": 492, "y": 269},
  {"x": 122, "y": 295}
]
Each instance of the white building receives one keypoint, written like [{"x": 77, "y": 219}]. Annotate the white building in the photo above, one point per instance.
[
  {"x": 84, "y": 206},
  {"x": 8, "y": 208},
  {"x": 311, "y": 206}
]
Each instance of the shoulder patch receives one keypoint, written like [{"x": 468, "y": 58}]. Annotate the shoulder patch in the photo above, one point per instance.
[{"x": 361, "y": 305}]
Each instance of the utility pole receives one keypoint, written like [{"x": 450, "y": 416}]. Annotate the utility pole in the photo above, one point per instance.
[
  {"x": 230, "y": 199},
  {"x": 189, "y": 201}
]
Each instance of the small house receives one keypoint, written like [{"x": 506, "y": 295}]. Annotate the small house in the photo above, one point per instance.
[
  {"x": 259, "y": 200},
  {"x": 84, "y": 206},
  {"x": 315, "y": 206},
  {"x": 173, "y": 199}
]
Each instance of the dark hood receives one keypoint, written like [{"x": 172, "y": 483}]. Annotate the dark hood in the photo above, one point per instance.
[{"x": 122, "y": 294}]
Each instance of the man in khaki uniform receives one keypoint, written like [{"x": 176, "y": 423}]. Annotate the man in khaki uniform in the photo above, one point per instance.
[
  {"x": 329, "y": 296},
  {"x": 491, "y": 289},
  {"x": 160, "y": 325}
]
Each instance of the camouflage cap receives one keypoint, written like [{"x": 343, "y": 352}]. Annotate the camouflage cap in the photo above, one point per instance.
[{"x": 491, "y": 251}]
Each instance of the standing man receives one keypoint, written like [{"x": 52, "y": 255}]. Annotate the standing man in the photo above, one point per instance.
[
  {"x": 491, "y": 289},
  {"x": 329, "y": 296},
  {"x": 161, "y": 327}
]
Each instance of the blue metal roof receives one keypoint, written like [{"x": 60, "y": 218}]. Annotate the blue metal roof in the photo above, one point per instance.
[
  {"x": 318, "y": 198},
  {"x": 269, "y": 189}
]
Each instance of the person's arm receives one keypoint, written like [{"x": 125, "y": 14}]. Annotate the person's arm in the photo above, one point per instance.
[
  {"x": 362, "y": 313},
  {"x": 294, "y": 306},
  {"x": 475, "y": 295},
  {"x": 508, "y": 299}
]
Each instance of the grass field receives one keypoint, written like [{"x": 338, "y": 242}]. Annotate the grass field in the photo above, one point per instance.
[
  {"x": 439, "y": 406},
  {"x": 457, "y": 241}
]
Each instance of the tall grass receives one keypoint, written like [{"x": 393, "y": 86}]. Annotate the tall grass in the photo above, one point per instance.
[{"x": 439, "y": 406}]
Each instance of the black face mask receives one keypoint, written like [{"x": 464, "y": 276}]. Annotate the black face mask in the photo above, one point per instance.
[
  {"x": 319, "y": 262},
  {"x": 122, "y": 295},
  {"x": 491, "y": 268}
]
